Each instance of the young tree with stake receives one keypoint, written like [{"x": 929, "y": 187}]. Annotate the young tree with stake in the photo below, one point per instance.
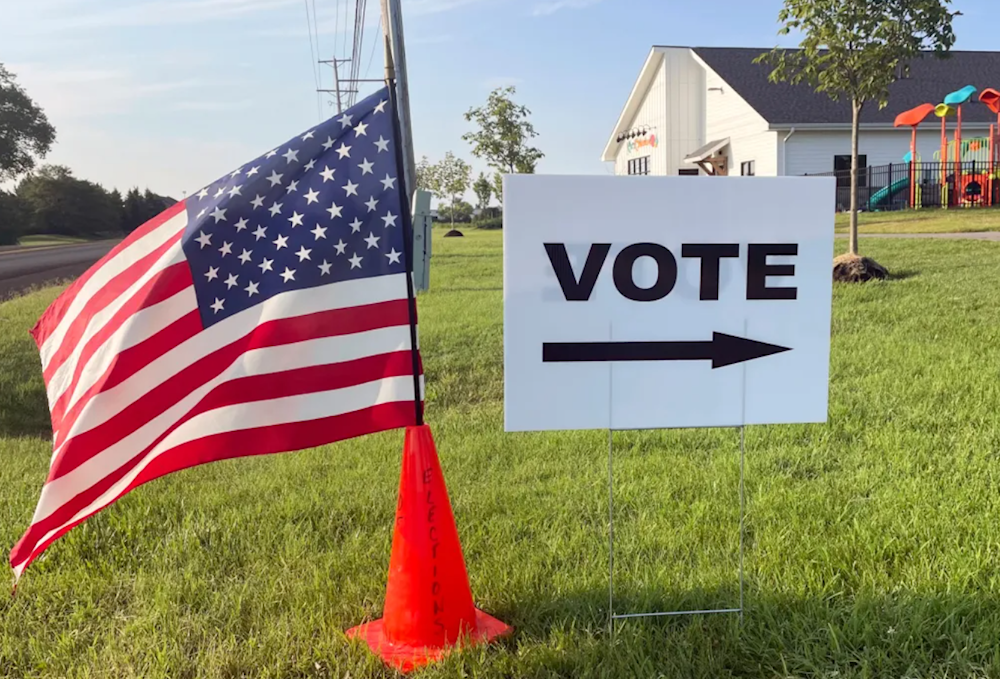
[
  {"x": 483, "y": 189},
  {"x": 453, "y": 176},
  {"x": 856, "y": 49},
  {"x": 503, "y": 135}
]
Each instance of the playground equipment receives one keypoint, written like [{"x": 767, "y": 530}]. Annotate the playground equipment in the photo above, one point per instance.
[
  {"x": 942, "y": 111},
  {"x": 913, "y": 118},
  {"x": 967, "y": 170},
  {"x": 991, "y": 98},
  {"x": 956, "y": 99}
]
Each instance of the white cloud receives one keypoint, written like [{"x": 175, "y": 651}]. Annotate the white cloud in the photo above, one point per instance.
[{"x": 547, "y": 8}]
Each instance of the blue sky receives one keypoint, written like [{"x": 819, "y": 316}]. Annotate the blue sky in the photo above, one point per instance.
[{"x": 174, "y": 93}]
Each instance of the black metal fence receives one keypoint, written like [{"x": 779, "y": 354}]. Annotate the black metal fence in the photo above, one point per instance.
[{"x": 899, "y": 186}]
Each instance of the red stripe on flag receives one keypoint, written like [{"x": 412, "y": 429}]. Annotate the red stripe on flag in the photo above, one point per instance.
[
  {"x": 54, "y": 314},
  {"x": 246, "y": 442},
  {"x": 161, "y": 287},
  {"x": 332, "y": 323},
  {"x": 101, "y": 299},
  {"x": 131, "y": 361}
]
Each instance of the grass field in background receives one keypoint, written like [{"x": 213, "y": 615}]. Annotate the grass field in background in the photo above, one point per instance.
[
  {"x": 37, "y": 240},
  {"x": 873, "y": 541},
  {"x": 957, "y": 220}
]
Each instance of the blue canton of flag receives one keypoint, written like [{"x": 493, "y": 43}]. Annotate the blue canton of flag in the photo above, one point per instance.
[{"x": 322, "y": 208}]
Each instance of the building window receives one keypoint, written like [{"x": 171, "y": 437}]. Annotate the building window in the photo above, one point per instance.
[
  {"x": 842, "y": 170},
  {"x": 748, "y": 168},
  {"x": 639, "y": 165},
  {"x": 688, "y": 172}
]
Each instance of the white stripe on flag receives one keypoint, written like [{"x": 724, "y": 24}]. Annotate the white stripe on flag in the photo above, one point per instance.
[
  {"x": 300, "y": 408},
  {"x": 111, "y": 268},
  {"x": 264, "y": 361},
  {"x": 64, "y": 374},
  {"x": 107, "y": 404}
]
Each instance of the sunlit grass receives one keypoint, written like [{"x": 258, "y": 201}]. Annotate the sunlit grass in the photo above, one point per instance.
[{"x": 873, "y": 541}]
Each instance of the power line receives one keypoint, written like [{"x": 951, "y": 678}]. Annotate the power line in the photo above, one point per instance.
[
  {"x": 371, "y": 57},
  {"x": 315, "y": 61}
]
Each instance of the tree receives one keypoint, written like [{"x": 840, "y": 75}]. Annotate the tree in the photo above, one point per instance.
[
  {"x": 856, "y": 49},
  {"x": 133, "y": 211},
  {"x": 451, "y": 178},
  {"x": 483, "y": 189},
  {"x": 25, "y": 132},
  {"x": 503, "y": 134},
  {"x": 57, "y": 202},
  {"x": 460, "y": 211},
  {"x": 498, "y": 187},
  {"x": 13, "y": 216},
  {"x": 425, "y": 175}
]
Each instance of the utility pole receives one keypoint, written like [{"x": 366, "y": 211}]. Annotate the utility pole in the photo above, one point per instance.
[
  {"x": 396, "y": 76},
  {"x": 395, "y": 69},
  {"x": 336, "y": 82}
]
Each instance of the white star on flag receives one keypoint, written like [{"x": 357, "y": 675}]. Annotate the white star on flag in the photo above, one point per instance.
[
  {"x": 327, "y": 174},
  {"x": 258, "y": 201},
  {"x": 351, "y": 188},
  {"x": 344, "y": 151},
  {"x": 312, "y": 197},
  {"x": 340, "y": 246},
  {"x": 281, "y": 242},
  {"x": 288, "y": 274},
  {"x": 242, "y": 224},
  {"x": 324, "y": 268},
  {"x": 251, "y": 289},
  {"x": 204, "y": 238},
  {"x": 319, "y": 232},
  {"x": 275, "y": 178},
  {"x": 389, "y": 219},
  {"x": 355, "y": 261},
  {"x": 226, "y": 248},
  {"x": 393, "y": 256},
  {"x": 218, "y": 215},
  {"x": 388, "y": 182},
  {"x": 245, "y": 256},
  {"x": 296, "y": 219},
  {"x": 345, "y": 121},
  {"x": 303, "y": 253},
  {"x": 275, "y": 209},
  {"x": 372, "y": 241},
  {"x": 334, "y": 210},
  {"x": 217, "y": 307},
  {"x": 372, "y": 204},
  {"x": 356, "y": 225},
  {"x": 261, "y": 232},
  {"x": 231, "y": 281},
  {"x": 361, "y": 130},
  {"x": 382, "y": 144},
  {"x": 266, "y": 265},
  {"x": 290, "y": 156},
  {"x": 366, "y": 167},
  {"x": 212, "y": 273}
]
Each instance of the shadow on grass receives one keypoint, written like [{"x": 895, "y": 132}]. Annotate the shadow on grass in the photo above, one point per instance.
[
  {"x": 24, "y": 411},
  {"x": 833, "y": 633},
  {"x": 488, "y": 288},
  {"x": 902, "y": 274}
]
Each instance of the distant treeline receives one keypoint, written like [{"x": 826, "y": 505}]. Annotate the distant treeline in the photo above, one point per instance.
[{"x": 52, "y": 200}]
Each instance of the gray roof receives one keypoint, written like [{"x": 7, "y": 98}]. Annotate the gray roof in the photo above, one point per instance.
[{"x": 930, "y": 79}]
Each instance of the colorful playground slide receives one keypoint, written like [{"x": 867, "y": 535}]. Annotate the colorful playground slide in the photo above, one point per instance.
[{"x": 882, "y": 197}]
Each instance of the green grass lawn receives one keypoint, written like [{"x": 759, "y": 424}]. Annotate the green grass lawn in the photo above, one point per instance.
[
  {"x": 873, "y": 541},
  {"x": 38, "y": 240},
  {"x": 925, "y": 221}
]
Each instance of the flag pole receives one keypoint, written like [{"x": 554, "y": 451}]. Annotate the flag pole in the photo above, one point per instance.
[{"x": 404, "y": 188}]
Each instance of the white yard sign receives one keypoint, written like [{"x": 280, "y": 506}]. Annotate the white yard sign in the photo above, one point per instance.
[{"x": 648, "y": 302}]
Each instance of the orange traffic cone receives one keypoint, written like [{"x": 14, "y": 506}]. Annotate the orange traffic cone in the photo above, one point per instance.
[{"x": 428, "y": 603}]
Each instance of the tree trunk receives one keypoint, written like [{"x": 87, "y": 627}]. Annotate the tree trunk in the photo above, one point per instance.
[{"x": 855, "y": 122}]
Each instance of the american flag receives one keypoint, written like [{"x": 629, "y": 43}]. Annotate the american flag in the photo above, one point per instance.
[{"x": 271, "y": 311}]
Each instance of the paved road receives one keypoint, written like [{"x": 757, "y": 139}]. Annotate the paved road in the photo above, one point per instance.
[{"x": 20, "y": 269}]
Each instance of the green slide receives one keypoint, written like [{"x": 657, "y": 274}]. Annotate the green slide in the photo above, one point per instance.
[{"x": 884, "y": 195}]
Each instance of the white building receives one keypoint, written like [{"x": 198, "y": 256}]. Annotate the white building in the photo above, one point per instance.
[{"x": 697, "y": 110}]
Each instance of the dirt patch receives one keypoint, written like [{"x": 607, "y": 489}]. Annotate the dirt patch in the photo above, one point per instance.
[{"x": 856, "y": 269}]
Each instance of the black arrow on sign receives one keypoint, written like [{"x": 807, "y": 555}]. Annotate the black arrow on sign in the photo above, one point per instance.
[{"x": 722, "y": 350}]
